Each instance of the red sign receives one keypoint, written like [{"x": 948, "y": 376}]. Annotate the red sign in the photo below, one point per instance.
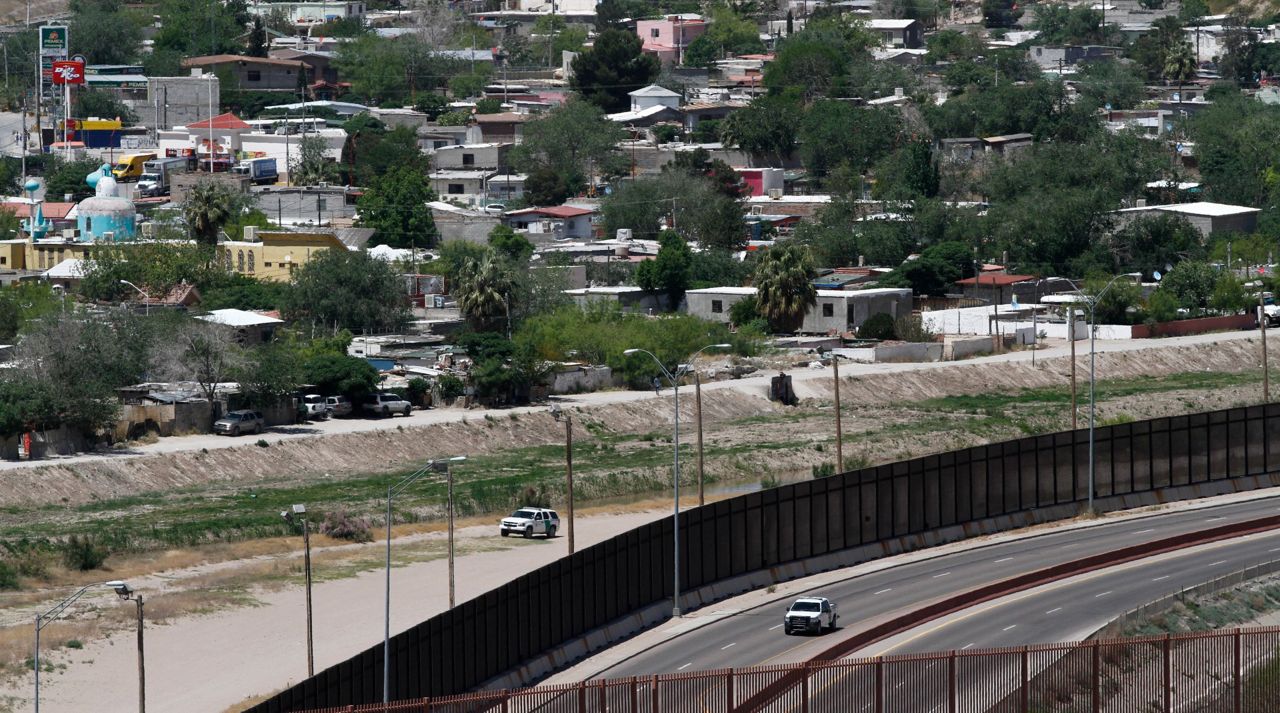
[{"x": 67, "y": 72}]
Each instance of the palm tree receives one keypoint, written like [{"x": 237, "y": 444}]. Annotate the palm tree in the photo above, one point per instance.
[
  {"x": 484, "y": 291},
  {"x": 784, "y": 292},
  {"x": 208, "y": 207},
  {"x": 1180, "y": 65}
]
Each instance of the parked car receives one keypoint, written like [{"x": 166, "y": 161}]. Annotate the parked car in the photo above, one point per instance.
[
  {"x": 238, "y": 422},
  {"x": 338, "y": 405},
  {"x": 530, "y": 522},
  {"x": 385, "y": 403},
  {"x": 315, "y": 406},
  {"x": 495, "y": 209},
  {"x": 810, "y": 615}
]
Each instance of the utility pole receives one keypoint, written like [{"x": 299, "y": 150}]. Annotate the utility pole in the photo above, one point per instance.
[
  {"x": 1071, "y": 337},
  {"x": 449, "y": 477},
  {"x": 306, "y": 555},
  {"x": 697, "y": 399},
  {"x": 568, "y": 472},
  {"x": 142, "y": 667},
  {"x": 1266, "y": 370},
  {"x": 835, "y": 373}
]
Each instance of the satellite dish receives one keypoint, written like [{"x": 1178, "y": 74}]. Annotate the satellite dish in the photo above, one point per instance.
[{"x": 1157, "y": 275}]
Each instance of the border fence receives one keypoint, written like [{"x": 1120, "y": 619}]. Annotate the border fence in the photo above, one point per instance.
[
  {"x": 1219, "y": 672},
  {"x": 924, "y": 500}
]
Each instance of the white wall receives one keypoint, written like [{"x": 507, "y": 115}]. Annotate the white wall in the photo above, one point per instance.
[{"x": 976, "y": 320}]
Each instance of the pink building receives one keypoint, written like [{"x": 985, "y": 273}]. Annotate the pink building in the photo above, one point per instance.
[
  {"x": 667, "y": 38},
  {"x": 759, "y": 181}
]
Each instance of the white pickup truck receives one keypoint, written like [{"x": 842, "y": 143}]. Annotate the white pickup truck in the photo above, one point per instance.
[{"x": 810, "y": 615}]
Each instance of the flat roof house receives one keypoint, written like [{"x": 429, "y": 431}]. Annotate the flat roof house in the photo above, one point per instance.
[
  {"x": 1208, "y": 218},
  {"x": 563, "y": 222},
  {"x": 836, "y": 311},
  {"x": 899, "y": 33},
  {"x": 262, "y": 74}
]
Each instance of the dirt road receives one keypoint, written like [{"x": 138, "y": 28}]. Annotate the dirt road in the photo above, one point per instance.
[{"x": 206, "y": 664}]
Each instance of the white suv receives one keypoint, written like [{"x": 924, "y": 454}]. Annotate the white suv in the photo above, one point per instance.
[{"x": 530, "y": 522}]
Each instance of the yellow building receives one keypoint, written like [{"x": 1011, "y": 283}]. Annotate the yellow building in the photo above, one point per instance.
[
  {"x": 272, "y": 255},
  {"x": 44, "y": 254}
]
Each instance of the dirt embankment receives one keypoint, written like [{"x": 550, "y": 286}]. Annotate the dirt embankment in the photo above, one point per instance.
[{"x": 874, "y": 399}]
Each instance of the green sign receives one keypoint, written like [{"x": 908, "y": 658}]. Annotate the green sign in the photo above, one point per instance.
[{"x": 53, "y": 40}]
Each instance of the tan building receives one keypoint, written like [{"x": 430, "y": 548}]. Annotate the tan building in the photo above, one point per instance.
[{"x": 275, "y": 255}]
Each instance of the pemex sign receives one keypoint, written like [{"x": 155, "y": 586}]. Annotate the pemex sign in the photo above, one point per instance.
[{"x": 53, "y": 41}]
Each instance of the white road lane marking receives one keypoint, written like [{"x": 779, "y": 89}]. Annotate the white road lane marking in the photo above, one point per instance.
[
  {"x": 966, "y": 646},
  {"x": 1055, "y": 609},
  {"x": 1215, "y": 564},
  {"x": 941, "y": 575},
  {"x": 1099, "y": 596},
  {"x": 882, "y": 591},
  {"x": 722, "y": 648},
  {"x": 1160, "y": 578},
  {"x": 685, "y": 666},
  {"x": 775, "y": 627},
  {"x": 1143, "y": 532},
  {"x": 1010, "y": 627},
  {"x": 1006, "y": 559}
]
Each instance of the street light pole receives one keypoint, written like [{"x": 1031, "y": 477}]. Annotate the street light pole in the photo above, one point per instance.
[
  {"x": 54, "y": 613},
  {"x": 300, "y": 509},
  {"x": 433, "y": 466},
  {"x": 1266, "y": 369},
  {"x": 674, "y": 378},
  {"x": 1092, "y": 302},
  {"x": 697, "y": 400},
  {"x": 146, "y": 299},
  {"x": 126, "y": 593},
  {"x": 556, "y": 413}
]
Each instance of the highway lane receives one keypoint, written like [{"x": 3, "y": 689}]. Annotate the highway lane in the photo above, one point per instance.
[
  {"x": 1073, "y": 609},
  {"x": 1067, "y": 610},
  {"x": 754, "y": 636}
]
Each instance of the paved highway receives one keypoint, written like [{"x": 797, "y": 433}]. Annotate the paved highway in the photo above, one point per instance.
[{"x": 754, "y": 637}]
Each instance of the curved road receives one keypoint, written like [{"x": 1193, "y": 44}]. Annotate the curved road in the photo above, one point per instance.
[{"x": 754, "y": 637}]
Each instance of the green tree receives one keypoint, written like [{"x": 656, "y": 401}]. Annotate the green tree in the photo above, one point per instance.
[
  {"x": 343, "y": 289},
  {"x": 1179, "y": 65},
  {"x": 104, "y": 33},
  {"x": 1151, "y": 243},
  {"x": 199, "y": 27},
  {"x": 728, "y": 34},
  {"x": 270, "y": 373},
  {"x": 1062, "y": 24},
  {"x": 209, "y": 206},
  {"x": 395, "y": 204},
  {"x": 371, "y": 149},
  {"x": 92, "y": 102},
  {"x": 698, "y": 162},
  {"x": 465, "y": 86},
  {"x": 310, "y": 166},
  {"x": 835, "y": 133},
  {"x": 766, "y": 127},
  {"x": 909, "y": 173},
  {"x": 953, "y": 45},
  {"x": 1110, "y": 83},
  {"x": 692, "y": 205},
  {"x": 340, "y": 374},
  {"x": 784, "y": 291},
  {"x": 21, "y": 304},
  {"x": 935, "y": 272},
  {"x": 509, "y": 244},
  {"x": 1190, "y": 11},
  {"x": 1000, "y": 13},
  {"x": 258, "y": 38},
  {"x": 546, "y": 186},
  {"x": 569, "y": 144},
  {"x": 669, "y": 272},
  {"x": 67, "y": 178},
  {"x": 1192, "y": 283},
  {"x": 613, "y": 67},
  {"x": 484, "y": 290}
]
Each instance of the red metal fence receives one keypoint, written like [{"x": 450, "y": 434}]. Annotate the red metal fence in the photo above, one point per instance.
[{"x": 1236, "y": 671}]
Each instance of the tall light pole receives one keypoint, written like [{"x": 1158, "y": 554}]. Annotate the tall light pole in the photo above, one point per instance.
[
  {"x": 674, "y": 378},
  {"x": 211, "y": 75},
  {"x": 1266, "y": 369},
  {"x": 52, "y": 615},
  {"x": 146, "y": 299},
  {"x": 1092, "y": 302},
  {"x": 433, "y": 466},
  {"x": 557, "y": 413},
  {"x": 835, "y": 374},
  {"x": 126, "y": 593},
  {"x": 301, "y": 511}
]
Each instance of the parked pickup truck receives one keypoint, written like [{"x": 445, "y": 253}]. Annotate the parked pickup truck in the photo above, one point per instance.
[
  {"x": 238, "y": 422},
  {"x": 530, "y": 522},
  {"x": 810, "y": 615},
  {"x": 386, "y": 403}
]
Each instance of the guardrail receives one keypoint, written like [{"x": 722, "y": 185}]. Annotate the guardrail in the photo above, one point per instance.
[
  {"x": 1228, "y": 671},
  {"x": 547, "y": 617}
]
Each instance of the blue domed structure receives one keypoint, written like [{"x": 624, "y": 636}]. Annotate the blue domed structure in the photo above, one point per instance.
[{"x": 105, "y": 215}]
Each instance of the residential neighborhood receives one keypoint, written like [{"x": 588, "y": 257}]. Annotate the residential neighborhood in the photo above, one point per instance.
[{"x": 252, "y": 218}]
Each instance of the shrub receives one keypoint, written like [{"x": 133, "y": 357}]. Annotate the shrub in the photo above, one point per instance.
[
  {"x": 74, "y": 644},
  {"x": 824, "y": 470},
  {"x": 81, "y": 553},
  {"x": 911, "y": 329},
  {"x": 878, "y": 326},
  {"x": 8, "y": 576},
  {"x": 416, "y": 389},
  {"x": 342, "y": 525},
  {"x": 451, "y": 387},
  {"x": 262, "y": 443},
  {"x": 535, "y": 496}
]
